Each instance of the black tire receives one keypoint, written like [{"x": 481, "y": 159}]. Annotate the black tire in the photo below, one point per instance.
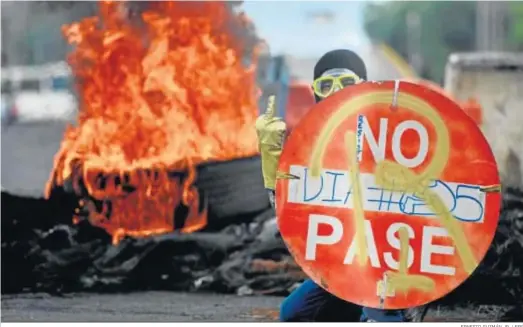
[{"x": 233, "y": 188}]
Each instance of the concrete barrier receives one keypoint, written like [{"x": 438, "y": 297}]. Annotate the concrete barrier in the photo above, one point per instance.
[{"x": 495, "y": 80}]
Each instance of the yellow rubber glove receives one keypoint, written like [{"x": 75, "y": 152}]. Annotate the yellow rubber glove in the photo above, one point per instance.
[{"x": 271, "y": 132}]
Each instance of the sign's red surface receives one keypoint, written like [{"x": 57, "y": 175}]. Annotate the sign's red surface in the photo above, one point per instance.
[{"x": 391, "y": 198}]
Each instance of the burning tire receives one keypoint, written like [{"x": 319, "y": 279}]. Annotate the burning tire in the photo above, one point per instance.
[
  {"x": 228, "y": 191},
  {"x": 155, "y": 113},
  {"x": 232, "y": 189}
]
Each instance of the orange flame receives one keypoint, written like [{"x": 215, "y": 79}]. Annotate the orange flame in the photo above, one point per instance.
[{"x": 156, "y": 97}]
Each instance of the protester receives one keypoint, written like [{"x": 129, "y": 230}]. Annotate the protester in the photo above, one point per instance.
[{"x": 334, "y": 71}]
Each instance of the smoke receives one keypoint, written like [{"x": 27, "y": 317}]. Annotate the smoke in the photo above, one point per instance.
[
  {"x": 31, "y": 30},
  {"x": 242, "y": 29}
]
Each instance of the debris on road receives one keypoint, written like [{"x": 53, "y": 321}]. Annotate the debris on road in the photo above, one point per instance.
[{"x": 43, "y": 252}]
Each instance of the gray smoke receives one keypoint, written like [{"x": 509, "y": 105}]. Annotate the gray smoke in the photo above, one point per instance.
[{"x": 31, "y": 30}]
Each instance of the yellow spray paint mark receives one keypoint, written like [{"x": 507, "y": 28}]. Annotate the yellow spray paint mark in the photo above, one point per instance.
[
  {"x": 404, "y": 250},
  {"x": 402, "y": 281},
  {"x": 410, "y": 183},
  {"x": 359, "y": 218},
  {"x": 395, "y": 177}
]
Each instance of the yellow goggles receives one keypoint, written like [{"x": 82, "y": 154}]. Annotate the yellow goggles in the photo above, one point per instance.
[{"x": 326, "y": 85}]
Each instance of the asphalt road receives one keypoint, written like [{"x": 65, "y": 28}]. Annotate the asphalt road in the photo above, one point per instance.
[
  {"x": 138, "y": 307},
  {"x": 177, "y": 307}
]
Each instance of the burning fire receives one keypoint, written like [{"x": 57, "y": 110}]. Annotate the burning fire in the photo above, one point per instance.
[{"x": 158, "y": 96}]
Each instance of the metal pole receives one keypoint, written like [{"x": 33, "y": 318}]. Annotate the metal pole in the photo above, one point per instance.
[
  {"x": 483, "y": 26},
  {"x": 490, "y": 23},
  {"x": 413, "y": 22},
  {"x": 479, "y": 25}
]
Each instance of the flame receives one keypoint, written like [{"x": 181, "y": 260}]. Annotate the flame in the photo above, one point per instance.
[{"x": 158, "y": 96}]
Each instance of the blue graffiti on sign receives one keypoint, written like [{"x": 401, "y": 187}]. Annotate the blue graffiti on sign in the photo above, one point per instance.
[
  {"x": 460, "y": 202},
  {"x": 333, "y": 188}
]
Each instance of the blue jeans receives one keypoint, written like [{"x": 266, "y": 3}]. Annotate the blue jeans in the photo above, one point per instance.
[{"x": 309, "y": 302}]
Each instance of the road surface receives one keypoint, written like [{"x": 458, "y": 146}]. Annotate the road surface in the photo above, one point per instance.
[
  {"x": 138, "y": 307},
  {"x": 176, "y": 307}
]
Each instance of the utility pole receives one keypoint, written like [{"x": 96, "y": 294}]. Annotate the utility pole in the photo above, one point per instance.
[
  {"x": 413, "y": 22},
  {"x": 481, "y": 22},
  {"x": 490, "y": 25}
]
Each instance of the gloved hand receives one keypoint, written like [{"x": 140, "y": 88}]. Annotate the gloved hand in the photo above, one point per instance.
[{"x": 271, "y": 133}]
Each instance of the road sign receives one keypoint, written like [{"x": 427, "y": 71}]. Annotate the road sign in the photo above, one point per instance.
[{"x": 388, "y": 195}]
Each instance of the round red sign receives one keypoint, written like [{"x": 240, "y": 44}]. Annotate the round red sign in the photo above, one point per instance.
[{"x": 388, "y": 195}]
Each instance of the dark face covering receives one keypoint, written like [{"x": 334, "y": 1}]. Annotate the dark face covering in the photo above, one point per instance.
[{"x": 335, "y": 61}]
